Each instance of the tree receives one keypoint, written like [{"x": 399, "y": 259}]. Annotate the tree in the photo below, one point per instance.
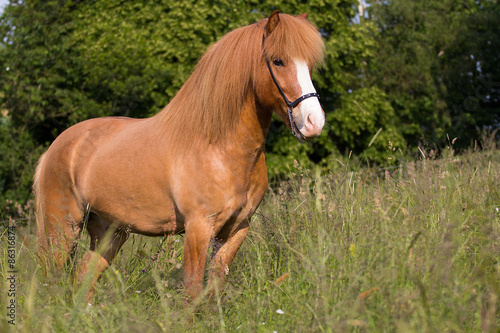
[
  {"x": 471, "y": 73},
  {"x": 66, "y": 61},
  {"x": 433, "y": 59},
  {"x": 33, "y": 91}
]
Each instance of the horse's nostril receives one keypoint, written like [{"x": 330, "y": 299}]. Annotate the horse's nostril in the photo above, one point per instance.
[
  {"x": 313, "y": 125},
  {"x": 310, "y": 122}
]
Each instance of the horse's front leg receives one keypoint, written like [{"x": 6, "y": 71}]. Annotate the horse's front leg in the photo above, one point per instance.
[
  {"x": 223, "y": 257},
  {"x": 196, "y": 242}
]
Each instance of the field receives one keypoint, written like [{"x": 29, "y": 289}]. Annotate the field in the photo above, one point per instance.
[{"x": 408, "y": 249}]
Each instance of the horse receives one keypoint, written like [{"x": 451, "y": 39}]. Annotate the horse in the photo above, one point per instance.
[{"x": 197, "y": 167}]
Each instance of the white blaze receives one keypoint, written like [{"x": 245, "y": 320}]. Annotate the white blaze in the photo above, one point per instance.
[{"x": 311, "y": 119}]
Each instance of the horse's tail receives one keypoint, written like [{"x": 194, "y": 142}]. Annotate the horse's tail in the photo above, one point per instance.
[{"x": 40, "y": 214}]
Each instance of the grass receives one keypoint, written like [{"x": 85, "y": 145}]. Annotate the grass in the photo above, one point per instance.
[{"x": 410, "y": 249}]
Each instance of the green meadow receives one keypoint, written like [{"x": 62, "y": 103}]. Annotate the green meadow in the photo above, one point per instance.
[{"x": 414, "y": 248}]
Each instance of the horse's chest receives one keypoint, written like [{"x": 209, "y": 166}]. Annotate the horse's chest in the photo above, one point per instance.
[
  {"x": 253, "y": 188},
  {"x": 222, "y": 184}
]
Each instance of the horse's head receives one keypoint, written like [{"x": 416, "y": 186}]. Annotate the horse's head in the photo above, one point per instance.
[{"x": 292, "y": 46}]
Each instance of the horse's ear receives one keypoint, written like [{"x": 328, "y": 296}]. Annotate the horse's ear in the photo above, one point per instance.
[
  {"x": 273, "y": 22},
  {"x": 302, "y": 16}
]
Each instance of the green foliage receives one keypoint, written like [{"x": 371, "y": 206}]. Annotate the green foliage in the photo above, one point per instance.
[
  {"x": 471, "y": 72},
  {"x": 135, "y": 56},
  {"x": 406, "y": 74},
  {"x": 66, "y": 61},
  {"x": 412, "y": 250},
  {"x": 40, "y": 74},
  {"x": 438, "y": 63},
  {"x": 365, "y": 123},
  {"x": 19, "y": 157}
]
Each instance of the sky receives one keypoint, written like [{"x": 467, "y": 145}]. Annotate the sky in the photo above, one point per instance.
[{"x": 3, "y": 3}]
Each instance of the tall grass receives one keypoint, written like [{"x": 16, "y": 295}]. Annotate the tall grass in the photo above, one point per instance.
[{"x": 410, "y": 249}]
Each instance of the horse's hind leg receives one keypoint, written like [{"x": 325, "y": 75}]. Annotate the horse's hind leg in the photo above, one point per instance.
[
  {"x": 105, "y": 242},
  {"x": 59, "y": 228}
]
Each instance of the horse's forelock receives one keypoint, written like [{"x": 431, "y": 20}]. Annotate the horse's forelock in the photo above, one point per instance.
[{"x": 295, "y": 38}]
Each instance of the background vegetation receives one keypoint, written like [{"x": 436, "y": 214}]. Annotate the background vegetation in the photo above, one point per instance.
[
  {"x": 398, "y": 74},
  {"x": 412, "y": 249},
  {"x": 368, "y": 231}
]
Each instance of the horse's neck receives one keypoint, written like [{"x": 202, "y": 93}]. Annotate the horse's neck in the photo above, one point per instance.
[
  {"x": 251, "y": 130},
  {"x": 247, "y": 136}
]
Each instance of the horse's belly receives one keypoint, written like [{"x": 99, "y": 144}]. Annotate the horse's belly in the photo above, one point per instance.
[
  {"x": 142, "y": 218},
  {"x": 136, "y": 201},
  {"x": 157, "y": 228}
]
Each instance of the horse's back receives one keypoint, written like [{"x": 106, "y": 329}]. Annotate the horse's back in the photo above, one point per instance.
[{"x": 73, "y": 150}]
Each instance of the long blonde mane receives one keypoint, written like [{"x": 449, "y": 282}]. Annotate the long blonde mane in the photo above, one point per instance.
[{"x": 210, "y": 102}]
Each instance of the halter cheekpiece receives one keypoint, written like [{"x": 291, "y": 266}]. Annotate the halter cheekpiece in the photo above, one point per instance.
[{"x": 289, "y": 105}]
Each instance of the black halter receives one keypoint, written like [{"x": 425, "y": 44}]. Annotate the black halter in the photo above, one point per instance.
[{"x": 289, "y": 105}]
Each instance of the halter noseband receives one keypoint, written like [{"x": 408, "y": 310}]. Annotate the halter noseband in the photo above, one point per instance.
[{"x": 289, "y": 105}]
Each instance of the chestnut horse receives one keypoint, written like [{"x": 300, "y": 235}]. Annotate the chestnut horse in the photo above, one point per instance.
[{"x": 197, "y": 167}]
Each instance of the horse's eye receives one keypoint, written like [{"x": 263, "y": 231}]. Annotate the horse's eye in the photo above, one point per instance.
[{"x": 278, "y": 62}]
